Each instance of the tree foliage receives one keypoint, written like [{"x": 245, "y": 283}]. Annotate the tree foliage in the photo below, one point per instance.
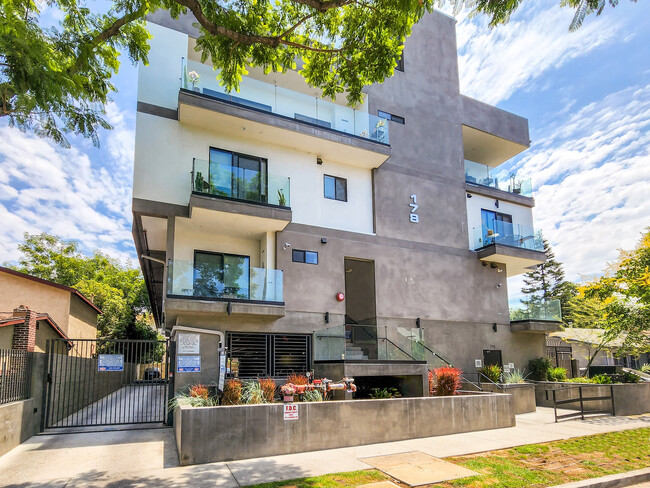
[
  {"x": 118, "y": 290},
  {"x": 55, "y": 76},
  {"x": 625, "y": 293}
]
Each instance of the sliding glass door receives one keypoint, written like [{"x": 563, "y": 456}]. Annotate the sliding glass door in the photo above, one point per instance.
[
  {"x": 218, "y": 275},
  {"x": 238, "y": 176},
  {"x": 496, "y": 226}
]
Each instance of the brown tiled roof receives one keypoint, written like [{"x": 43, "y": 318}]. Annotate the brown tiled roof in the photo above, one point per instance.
[
  {"x": 50, "y": 283},
  {"x": 40, "y": 317}
]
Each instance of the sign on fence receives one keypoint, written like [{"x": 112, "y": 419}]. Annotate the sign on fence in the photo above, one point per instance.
[
  {"x": 110, "y": 362},
  {"x": 188, "y": 364}
]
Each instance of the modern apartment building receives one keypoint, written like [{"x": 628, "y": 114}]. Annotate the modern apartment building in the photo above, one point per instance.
[{"x": 311, "y": 234}]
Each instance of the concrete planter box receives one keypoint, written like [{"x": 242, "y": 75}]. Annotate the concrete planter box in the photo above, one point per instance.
[
  {"x": 523, "y": 395},
  {"x": 210, "y": 434},
  {"x": 629, "y": 398}
]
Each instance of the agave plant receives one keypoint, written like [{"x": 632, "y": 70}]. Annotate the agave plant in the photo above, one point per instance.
[
  {"x": 252, "y": 393},
  {"x": 515, "y": 376}
]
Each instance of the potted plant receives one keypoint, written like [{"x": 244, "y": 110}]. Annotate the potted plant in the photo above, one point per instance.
[
  {"x": 282, "y": 200},
  {"x": 194, "y": 78},
  {"x": 287, "y": 393}
]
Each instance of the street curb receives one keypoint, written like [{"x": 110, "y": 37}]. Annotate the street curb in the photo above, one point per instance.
[{"x": 612, "y": 480}]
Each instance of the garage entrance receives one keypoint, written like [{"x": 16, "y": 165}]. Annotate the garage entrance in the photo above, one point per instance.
[{"x": 106, "y": 382}]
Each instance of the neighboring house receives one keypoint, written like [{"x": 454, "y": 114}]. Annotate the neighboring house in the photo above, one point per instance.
[
  {"x": 310, "y": 233},
  {"x": 585, "y": 342},
  {"x": 73, "y": 313},
  {"x": 27, "y": 330}
]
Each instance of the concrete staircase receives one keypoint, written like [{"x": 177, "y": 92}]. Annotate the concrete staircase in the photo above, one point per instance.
[{"x": 353, "y": 352}]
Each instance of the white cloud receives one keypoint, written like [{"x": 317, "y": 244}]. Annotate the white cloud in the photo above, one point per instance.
[
  {"x": 494, "y": 63},
  {"x": 592, "y": 179},
  {"x": 68, "y": 192}
]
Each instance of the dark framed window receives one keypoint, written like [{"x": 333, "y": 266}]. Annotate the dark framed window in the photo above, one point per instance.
[
  {"x": 307, "y": 257},
  {"x": 219, "y": 275},
  {"x": 234, "y": 175},
  {"x": 392, "y": 117},
  {"x": 336, "y": 188}
]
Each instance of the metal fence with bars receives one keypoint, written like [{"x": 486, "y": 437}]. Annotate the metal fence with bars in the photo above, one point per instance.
[{"x": 15, "y": 375}]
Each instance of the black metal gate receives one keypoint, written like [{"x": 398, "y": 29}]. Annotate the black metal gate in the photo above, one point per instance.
[
  {"x": 105, "y": 382},
  {"x": 560, "y": 354}
]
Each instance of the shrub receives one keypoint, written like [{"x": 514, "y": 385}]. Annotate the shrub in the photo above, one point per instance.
[
  {"x": 516, "y": 376},
  {"x": 199, "y": 391},
  {"x": 432, "y": 383},
  {"x": 601, "y": 379},
  {"x": 196, "y": 396},
  {"x": 448, "y": 381},
  {"x": 232, "y": 391},
  {"x": 312, "y": 396},
  {"x": 385, "y": 393},
  {"x": 297, "y": 379},
  {"x": 645, "y": 368},
  {"x": 628, "y": 377},
  {"x": 539, "y": 367},
  {"x": 579, "y": 379},
  {"x": 492, "y": 372},
  {"x": 556, "y": 374},
  {"x": 252, "y": 393},
  {"x": 268, "y": 388}
]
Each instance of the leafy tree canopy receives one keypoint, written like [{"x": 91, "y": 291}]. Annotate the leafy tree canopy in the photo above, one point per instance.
[
  {"x": 118, "y": 290},
  {"x": 625, "y": 293},
  {"x": 55, "y": 77}
]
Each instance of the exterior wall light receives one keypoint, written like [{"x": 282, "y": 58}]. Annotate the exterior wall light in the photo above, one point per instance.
[
  {"x": 469, "y": 196},
  {"x": 319, "y": 161},
  {"x": 323, "y": 240},
  {"x": 286, "y": 246}
]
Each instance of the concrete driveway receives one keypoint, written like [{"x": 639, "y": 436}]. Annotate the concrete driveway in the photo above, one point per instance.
[{"x": 148, "y": 457}]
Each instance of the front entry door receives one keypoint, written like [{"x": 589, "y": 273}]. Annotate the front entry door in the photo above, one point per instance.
[
  {"x": 492, "y": 357},
  {"x": 360, "y": 307}
]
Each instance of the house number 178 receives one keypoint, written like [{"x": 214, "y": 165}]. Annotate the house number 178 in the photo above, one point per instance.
[{"x": 414, "y": 217}]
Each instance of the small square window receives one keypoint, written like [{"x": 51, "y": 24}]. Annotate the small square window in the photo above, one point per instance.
[
  {"x": 336, "y": 188},
  {"x": 392, "y": 117},
  {"x": 307, "y": 257}
]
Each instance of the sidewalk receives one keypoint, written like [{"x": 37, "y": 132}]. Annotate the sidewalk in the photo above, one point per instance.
[{"x": 149, "y": 458}]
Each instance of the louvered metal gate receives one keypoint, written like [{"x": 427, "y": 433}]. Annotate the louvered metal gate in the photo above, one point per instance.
[
  {"x": 276, "y": 355},
  {"x": 105, "y": 382}
]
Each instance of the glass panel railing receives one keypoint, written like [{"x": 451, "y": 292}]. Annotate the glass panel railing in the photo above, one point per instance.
[
  {"x": 483, "y": 175},
  {"x": 224, "y": 180},
  {"x": 372, "y": 342},
  {"x": 263, "y": 96},
  {"x": 508, "y": 234},
  {"x": 536, "y": 309},
  {"x": 231, "y": 280}
]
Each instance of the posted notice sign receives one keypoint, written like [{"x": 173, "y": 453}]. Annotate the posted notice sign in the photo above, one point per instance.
[
  {"x": 290, "y": 411},
  {"x": 188, "y": 364},
  {"x": 110, "y": 362}
]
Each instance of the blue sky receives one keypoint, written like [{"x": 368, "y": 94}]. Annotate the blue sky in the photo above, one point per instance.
[{"x": 586, "y": 95}]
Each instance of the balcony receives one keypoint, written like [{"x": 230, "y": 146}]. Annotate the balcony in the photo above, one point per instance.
[
  {"x": 484, "y": 176},
  {"x": 233, "y": 183},
  {"x": 232, "y": 287},
  {"x": 518, "y": 247},
  {"x": 536, "y": 316},
  {"x": 279, "y": 115}
]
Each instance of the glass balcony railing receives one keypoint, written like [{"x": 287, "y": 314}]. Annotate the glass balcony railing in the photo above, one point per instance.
[
  {"x": 223, "y": 180},
  {"x": 536, "y": 309},
  {"x": 372, "y": 342},
  {"x": 507, "y": 234},
  {"x": 233, "y": 279},
  {"x": 259, "y": 95},
  {"x": 483, "y": 175}
]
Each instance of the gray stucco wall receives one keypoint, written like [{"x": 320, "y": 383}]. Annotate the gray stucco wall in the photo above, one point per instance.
[
  {"x": 523, "y": 395},
  {"x": 211, "y": 434}
]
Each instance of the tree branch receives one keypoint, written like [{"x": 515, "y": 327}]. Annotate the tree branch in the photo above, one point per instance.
[{"x": 323, "y": 5}]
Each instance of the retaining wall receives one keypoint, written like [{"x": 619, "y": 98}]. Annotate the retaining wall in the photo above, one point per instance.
[
  {"x": 210, "y": 434},
  {"x": 629, "y": 398},
  {"x": 523, "y": 395}
]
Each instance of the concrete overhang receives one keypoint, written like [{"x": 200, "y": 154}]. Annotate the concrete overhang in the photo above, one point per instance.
[
  {"x": 535, "y": 326},
  {"x": 491, "y": 136},
  {"x": 506, "y": 196},
  {"x": 233, "y": 119},
  {"x": 516, "y": 260},
  {"x": 192, "y": 307},
  {"x": 236, "y": 217}
]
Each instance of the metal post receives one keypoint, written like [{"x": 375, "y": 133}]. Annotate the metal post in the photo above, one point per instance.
[
  {"x": 611, "y": 392},
  {"x": 582, "y": 405},
  {"x": 554, "y": 406}
]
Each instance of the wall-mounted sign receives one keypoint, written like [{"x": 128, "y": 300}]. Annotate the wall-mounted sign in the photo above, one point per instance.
[
  {"x": 222, "y": 370},
  {"x": 478, "y": 363},
  {"x": 413, "y": 217},
  {"x": 511, "y": 365},
  {"x": 110, "y": 362},
  {"x": 188, "y": 364},
  {"x": 290, "y": 411},
  {"x": 188, "y": 343}
]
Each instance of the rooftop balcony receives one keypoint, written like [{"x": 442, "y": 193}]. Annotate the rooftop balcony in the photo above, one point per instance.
[
  {"x": 535, "y": 315},
  {"x": 517, "y": 246},
  {"x": 330, "y": 130},
  {"x": 483, "y": 175}
]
